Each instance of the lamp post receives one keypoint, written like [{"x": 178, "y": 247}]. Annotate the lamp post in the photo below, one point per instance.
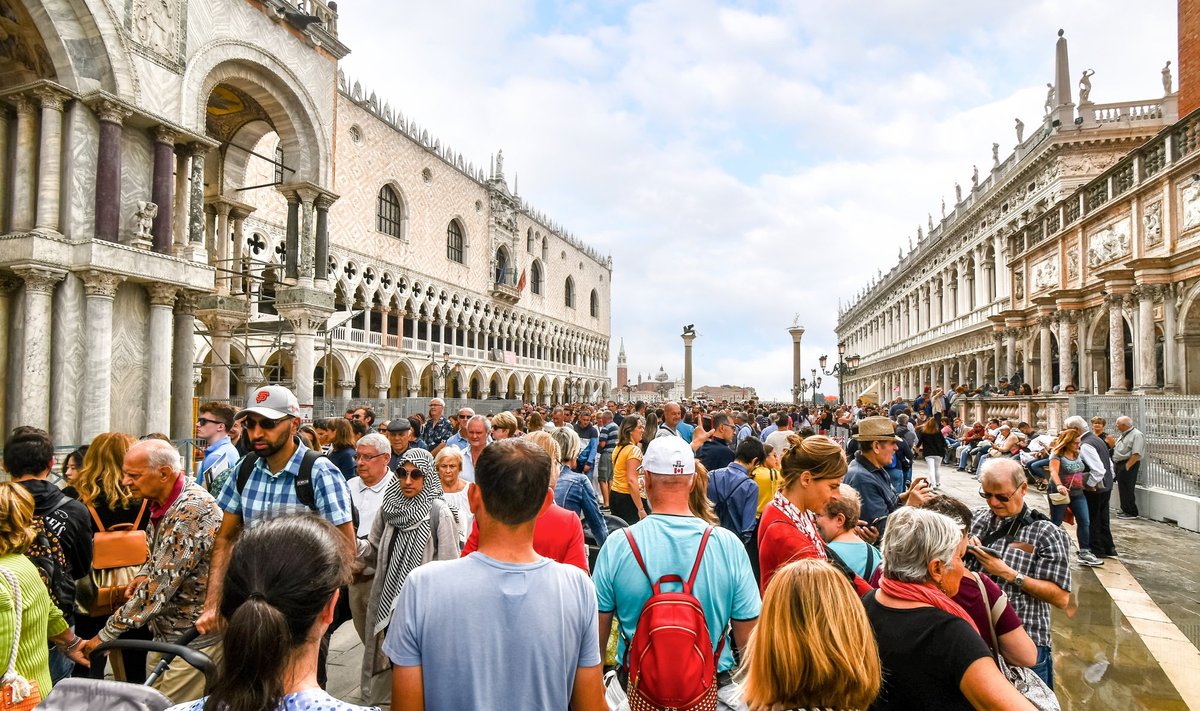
[
  {"x": 813, "y": 385},
  {"x": 444, "y": 370},
  {"x": 843, "y": 368}
]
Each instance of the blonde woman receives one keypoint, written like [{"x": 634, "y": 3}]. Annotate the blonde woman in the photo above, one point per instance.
[
  {"x": 504, "y": 425},
  {"x": 813, "y": 646},
  {"x": 449, "y": 464},
  {"x": 698, "y": 500},
  {"x": 100, "y": 488}
]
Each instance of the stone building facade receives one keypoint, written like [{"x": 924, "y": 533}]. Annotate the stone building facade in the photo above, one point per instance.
[
  {"x": 1074, "y": 263},
  {"x": 187, "y": 212}
]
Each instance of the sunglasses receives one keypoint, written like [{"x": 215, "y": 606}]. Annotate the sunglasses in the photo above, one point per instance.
[
  {"x": 205, "y": 421},
  {"x": 1002, "y": 498},
  {"x": 249, "y": 423},
  {"x": 414, "y": 474}
]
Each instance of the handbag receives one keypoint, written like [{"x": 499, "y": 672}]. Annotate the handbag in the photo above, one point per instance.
[
  {"x": 118, "y": 553},
  {"x": 16, "y": 692},
  {"x": 1024, "y": 679}
]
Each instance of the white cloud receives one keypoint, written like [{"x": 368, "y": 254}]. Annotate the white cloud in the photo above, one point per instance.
[{"x": 741, "y": 162}]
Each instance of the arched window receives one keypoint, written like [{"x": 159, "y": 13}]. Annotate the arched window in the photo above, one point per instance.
[
  {"x": 454, "y": 242},
  {"x": 389, "y": 213},
  {"x": 569, "y": 293},
  {"x": 535, "y": 277},
  {"x": 595, "y": 304},
  {"x": 502, "y": 268},
  {"x": 529, "y": 240}
]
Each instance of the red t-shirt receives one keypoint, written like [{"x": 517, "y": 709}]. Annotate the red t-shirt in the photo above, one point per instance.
[
  {"x": 968, "y": 597},
  {"x": 557, "y": 534},
  {"x": 783, "y": 543}
]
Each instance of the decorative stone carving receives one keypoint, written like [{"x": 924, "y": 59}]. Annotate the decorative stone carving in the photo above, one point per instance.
[
  {"x": 995, "y": 154},
  {"x": 974, "y": 177},
  {"x": 155, "y": 25},
  {"x": 1020, "y": 126},
  {"x": 957, "y": 193},
  {"x": 143, "y": 220},
  {"x": 161, "y": 294},
  {"x": 1019, "y": 278},
  {"x": 1191, "y": 205},
  {"x": 1152, "y": 225},
  {"x": 1109, "y": 243},
  {"x": 1045, "y": 274},
  {"x": 1085, "y": 86},
  {"x": 1049, "y": 97},
  {"x": 1073, "y": 263},
  {"x": 96, "y": 283},
  {"x": 1166, "y": 78},
  {"x": 40, "y": 280}
]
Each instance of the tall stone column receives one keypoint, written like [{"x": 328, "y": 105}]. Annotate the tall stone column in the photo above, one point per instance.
[
  {"x": 688, "y": 337},
  {"x": 997, "y": 357},
  {"x": 179, "y": 230},
  {"x": 108, "y": 171},
  {"x": 221, "y": 247},
  {"x": 797, "y": 332},
  {"x": 24, "y": 169},
  {"x": 1045, "y": 355},
  {"x": 1010, "y": 353},
  {"x": 1144, "y": 356},
  {"x": 50, "y": 162},
  {"x": 1170, "y": 347},
  {"x": 321, "y": 267},
  {"x": 196, "y": 204},
  {"x": 220, "y": 332},
  {"x": 4, "y": 186},
  {"x": 305, "y": 320},
  {"x": 35, "y": 377},
  {"x": 183, "y": 369},
  {"x": 291, "y": 269},
  {"x": 100, "y": 289},
  {"x": 980, "y": 371},
  {"x": 161, "y": 343},
  {"x": 1066, "y": 375},
  {"x": 160, "y": 190},
  {"x": 346, "y": 389},
  {"x": 1116, "y": 344},
  {"x": 8, "y": 284}
]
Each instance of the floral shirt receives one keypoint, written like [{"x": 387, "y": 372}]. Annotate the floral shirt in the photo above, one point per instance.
[{"x": 437, "y": 432}]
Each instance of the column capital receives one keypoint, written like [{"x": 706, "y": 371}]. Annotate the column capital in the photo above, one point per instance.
[
  {"x": 102, "y": 284},
  {"x": 165, "y": 134},
  {"x": 51, "y": 98},
  {"x": 24, "y": 104},
  {"x": 111, "y": 111},
  {"x": 346, "y": 384},
  {"x": 40, "y": 280},
  {"x": 197, "y": 150},
  {"x": 185, "y": 302},
  {"x": 161, "y": 294},
  {"x": 304, "y": 321}
]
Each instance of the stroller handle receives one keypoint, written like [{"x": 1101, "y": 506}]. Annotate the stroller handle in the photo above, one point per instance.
[{"x": 169, "y": 651}]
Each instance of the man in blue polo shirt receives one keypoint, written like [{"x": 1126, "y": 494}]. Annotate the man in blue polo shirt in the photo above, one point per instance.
[
  {"x": 271, "y": 423},
  {"x": 213, "y": 426},
  {"x": 668, "y": 540}
]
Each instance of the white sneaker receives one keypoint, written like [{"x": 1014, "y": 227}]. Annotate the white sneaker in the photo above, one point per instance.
[{"x": 1089, "y": 559}]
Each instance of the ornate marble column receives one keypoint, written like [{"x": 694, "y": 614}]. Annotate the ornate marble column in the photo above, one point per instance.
[
  {"x": 108, "y": 170},
  {"x": 1045, "y": 354},
  {"x": 159, "y": 339},
  {"x": 4, "y": 187},
  {"x": 997, "y": 358},
  {"x": 980, "y": 371},
  {"x": 220, "y": 332},
  {"x": 196, "y": 203},
  {"x": 24, "y": 168},
  {"x": 160, "y": 191},
  {"x": 321, "y": 266},
  {"x": 1010, "y": 352},
  {"x": 100, "y": 289},
  {"x": 1116, "y": 344},
  {"x": 8, "y": 284},
  {"x": 50, "y": 161},
  {"x": 1066, "y": 374},
  {"x": 292, "y": 243},
  {"x": 1144, "y": 346},
  {"x": 1170, "y": 347},
  {"x": 180, "y": 211},
  {"x": 35, "y": 376},
  {"x": 221, "y": 247},
  {"x": 305, "y": 320},
  {"x": 183, "y": 369}
]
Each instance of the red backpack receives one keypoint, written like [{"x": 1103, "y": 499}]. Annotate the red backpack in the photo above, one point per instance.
[{"x": 670, "y": 661}]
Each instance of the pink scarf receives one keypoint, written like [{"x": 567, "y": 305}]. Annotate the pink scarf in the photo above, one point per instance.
[
  {"x": 926, "y": 593},
  {"x": 802, "y": 521}
]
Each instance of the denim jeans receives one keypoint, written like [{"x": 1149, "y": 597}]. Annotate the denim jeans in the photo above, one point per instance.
[
  {"x": 60, "y": 666},
  {"x": 1079, "y": 507},
  {"x": 1038, "y": 468},
  {"x": 1045, "y": 666},
  {"x": 950, "y": 445}
]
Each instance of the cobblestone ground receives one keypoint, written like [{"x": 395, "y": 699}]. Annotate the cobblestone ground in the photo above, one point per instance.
[{"x": 1128, "y": 643}]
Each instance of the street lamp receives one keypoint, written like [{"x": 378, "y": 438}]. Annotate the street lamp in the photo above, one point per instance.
[
  {"x": 445, "y": 369},
  {"x": 843, "y": 368},
  {"x": 814, "y": 385}
]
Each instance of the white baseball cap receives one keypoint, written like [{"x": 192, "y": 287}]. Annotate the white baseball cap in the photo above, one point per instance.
[
  {"x": 669, "y": 456},
  {"x": 274, "y": 402}
]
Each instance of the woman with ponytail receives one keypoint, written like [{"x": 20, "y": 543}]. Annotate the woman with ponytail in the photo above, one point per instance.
[{"x": 280, "y": 592}]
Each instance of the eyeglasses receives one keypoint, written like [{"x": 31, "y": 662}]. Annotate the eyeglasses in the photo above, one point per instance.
[
  {"x": 202, "y": 421},
  {"x": 1002, "y": 498},
  {"x": 414, "y": 474},
  {"x": 249, "y": 423},
  {"x": 368, "y": 457}
]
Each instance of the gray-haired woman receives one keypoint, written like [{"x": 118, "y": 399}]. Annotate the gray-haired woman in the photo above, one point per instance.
[
  {"x": 414, "y": 526},
  {"x": 932, "y": 653}
]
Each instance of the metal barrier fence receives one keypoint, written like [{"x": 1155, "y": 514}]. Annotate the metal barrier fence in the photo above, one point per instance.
[
  {"x": 1171, "y": 424},
  {"x": 404, "y": 407}
]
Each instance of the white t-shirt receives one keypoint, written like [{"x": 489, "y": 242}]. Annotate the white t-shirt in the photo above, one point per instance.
[
  {"x": 367, "y": 500},
  {"x": 459, "y": 501},
  {"x": 779, "y": 440}
]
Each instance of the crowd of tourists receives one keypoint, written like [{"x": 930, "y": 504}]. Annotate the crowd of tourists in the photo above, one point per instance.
[{"x": 681, "y": 556}]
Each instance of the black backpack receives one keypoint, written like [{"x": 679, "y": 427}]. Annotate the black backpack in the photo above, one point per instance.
[
  {"x": 48, "y": 556},
  {"x": 304, "y": 485}
]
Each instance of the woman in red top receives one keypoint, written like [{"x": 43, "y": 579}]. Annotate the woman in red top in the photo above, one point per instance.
[{"x": 812, "y": 471}]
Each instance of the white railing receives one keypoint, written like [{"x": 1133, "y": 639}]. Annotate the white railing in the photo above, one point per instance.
[
  {"x": 1127, "y": 111},
  {"x": 357, "y": 335},
  {"x": 393, "y": 341},
  {"x": 339, "y": 333},
  {"x": 408, "y": 343},
  {"x": 422, "y": 345},
  {"x": 375, "y": 339},
  {"x": 460, "y": 351}
]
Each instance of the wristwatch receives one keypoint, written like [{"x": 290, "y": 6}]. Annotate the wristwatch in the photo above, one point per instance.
[{"x": 1019, "y": 581}]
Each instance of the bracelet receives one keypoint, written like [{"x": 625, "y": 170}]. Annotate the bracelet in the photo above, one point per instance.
[{"x": 70, "y": 646}]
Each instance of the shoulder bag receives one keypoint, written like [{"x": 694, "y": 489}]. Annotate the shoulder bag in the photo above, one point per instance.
[
  {"x": 117, "y": 554},
  {"x": 16, "y": 692},
  {"x": 1027, "y": 682}
]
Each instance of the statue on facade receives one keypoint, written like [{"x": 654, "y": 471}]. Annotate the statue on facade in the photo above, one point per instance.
[
  {"x": 1166, "y": 76},
  {"x": 995, "y": 154},
  {"x": 500, "y": 163},
  {"x": 144, "y": 219},
  {"x": 943, "y": 207},
  {"x": 1085, "y": 86},
  {"x": 974, "y": 177},
  {"x": 957, "y": 193},
  {"x": 930, "y": 217},
  {"x": 1049, "y": 97},
  {"x": 910, "y": 244},
  {"x": 920, "y": 233},
  {"x": 1020, "y": 130}
]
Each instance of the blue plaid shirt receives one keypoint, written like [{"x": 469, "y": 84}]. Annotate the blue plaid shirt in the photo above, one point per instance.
[{"x": 270, "y": 495}]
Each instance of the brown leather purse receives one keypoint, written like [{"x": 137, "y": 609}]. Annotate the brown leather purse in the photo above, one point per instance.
[{"x": 117, "y": 553}]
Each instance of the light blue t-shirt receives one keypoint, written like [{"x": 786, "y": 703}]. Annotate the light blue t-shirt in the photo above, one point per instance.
[
  {"x": 517, "y": 632},
  {"x": 307, "y": 700},
  {"x": 856, "y": 555},
  {"x": 725, "y": 584},
  {"x": 685, "y": 431}
]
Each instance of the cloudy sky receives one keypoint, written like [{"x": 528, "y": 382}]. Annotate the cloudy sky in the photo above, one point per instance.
[{"x": 746, "y": 161}]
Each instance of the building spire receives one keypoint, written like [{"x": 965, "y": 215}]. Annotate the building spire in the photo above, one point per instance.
[{"x": 1064, "y": 109}]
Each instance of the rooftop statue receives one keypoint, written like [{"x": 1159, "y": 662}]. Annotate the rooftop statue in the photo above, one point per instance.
[
  {"x": 1020, "y": 130},
  {"x": 1085, "y": 85},
  {"x": 1166, "y": 76}
]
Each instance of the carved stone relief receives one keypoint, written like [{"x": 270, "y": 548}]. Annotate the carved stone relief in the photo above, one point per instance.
[
  {"x": 1152, "y": 225},
  {"x": 1045, "y": 274},
  {"x": 157, "y": 26},
  {"x": 1073, "y": 262},
  {"x": 1191, "y": 205},
  {"x": 1020, "y": 280},
  {"x": 1109, "y": 243}
]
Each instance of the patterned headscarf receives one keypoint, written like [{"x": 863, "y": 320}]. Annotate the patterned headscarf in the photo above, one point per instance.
[{"x": 410, "y": 519}]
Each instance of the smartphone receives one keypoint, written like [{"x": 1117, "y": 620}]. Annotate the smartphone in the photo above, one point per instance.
[
  {"x": 990, "y": 551},
  {"x": 876, "y": 522}
]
